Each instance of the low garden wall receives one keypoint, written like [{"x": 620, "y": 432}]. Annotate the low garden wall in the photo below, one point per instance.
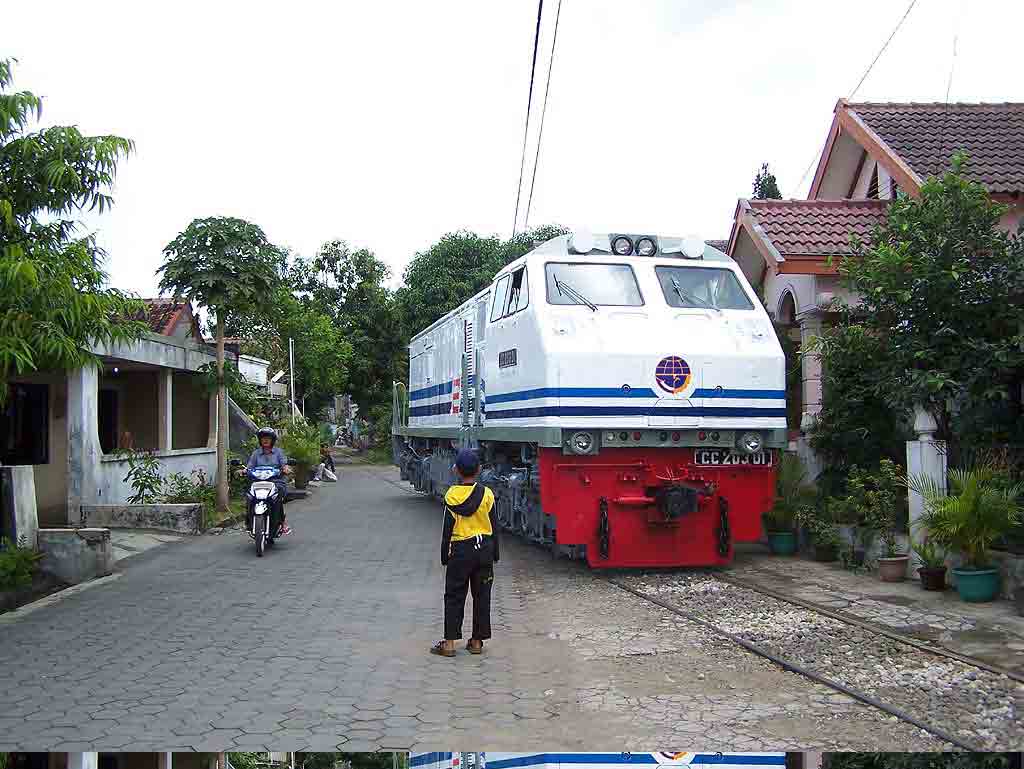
[
  {"x": 76, "y": 555},
  {"x": 113, "y": 490},
  {"x": 177, "y": 519}
]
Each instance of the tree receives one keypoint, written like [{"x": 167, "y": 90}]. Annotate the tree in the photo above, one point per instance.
[
  {"x": 350, "y": 287},
  {"x": 765, "y": 186},
  {"x": 455, "y": 268},
  {"x": 228, "y": 266},
  {"x": 940, "y": 317},
  {"x": 55, "y": 304}
]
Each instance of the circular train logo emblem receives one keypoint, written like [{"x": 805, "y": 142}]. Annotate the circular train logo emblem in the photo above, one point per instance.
[
  {"x": 674, "y": 757},
  {"x": 673, "y": 374}
]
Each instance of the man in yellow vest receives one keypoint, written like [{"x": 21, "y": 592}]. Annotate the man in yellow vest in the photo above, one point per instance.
[{"x": 469, "y": 548}]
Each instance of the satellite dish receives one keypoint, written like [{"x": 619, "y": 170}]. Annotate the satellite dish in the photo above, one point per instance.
[
  {"x": 693, "y": 247},
  {"x": 581, "y": 241},
  {"x": 277, "y": 376}
]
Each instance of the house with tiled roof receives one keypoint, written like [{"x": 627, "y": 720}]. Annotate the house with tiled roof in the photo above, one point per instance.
[
  {"x": 789, "y": 248},
  {"x": 170, "y": 317}
]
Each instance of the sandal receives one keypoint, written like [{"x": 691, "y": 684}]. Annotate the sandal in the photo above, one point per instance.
[
  {"x": 475, "y": 647},
  {"x": 440, "y": 650}
]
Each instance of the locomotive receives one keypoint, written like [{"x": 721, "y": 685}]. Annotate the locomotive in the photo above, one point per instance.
[{"x": 626, "y": 394}]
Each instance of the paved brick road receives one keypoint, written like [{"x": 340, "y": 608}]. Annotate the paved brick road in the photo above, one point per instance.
[{"x": 323, "y": 642}]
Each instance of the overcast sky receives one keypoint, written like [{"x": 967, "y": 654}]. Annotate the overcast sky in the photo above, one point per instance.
[{"x": 388, "y": 124}]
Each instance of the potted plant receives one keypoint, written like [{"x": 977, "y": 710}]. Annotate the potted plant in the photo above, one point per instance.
[
  {"x": 932, "y": 570},
  {"x": 882, "y": 499},
  {"x": 824, "y": 532},
  {"x": 301, "y": 442},
  {"x": 976, "y": 511},
  {"x": 791, "y": 492}
]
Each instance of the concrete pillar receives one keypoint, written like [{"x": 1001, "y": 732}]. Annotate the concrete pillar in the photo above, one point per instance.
[
  {"x": 810, "y": 364},
  {"x": 20, "y": 521},
  {"x": 83, "y": 760},
  {"x": 84, "y": 451},
  {"x": 926, "y": 457},
  {"x": 165, "y": 404}
]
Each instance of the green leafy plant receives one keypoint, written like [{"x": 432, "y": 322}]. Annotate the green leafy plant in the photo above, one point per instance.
[
  {"x": 791, "y": 492},
  {"x": 918, "y": 760},
  {"x": 143, "y": 476},
  {"x": 929, "y": 555},
  {"x": 195, "y": 488},
  {"x": 17, "y": 565},
  {"x": 820, "y": 525},
  {"x": 976, "y": 511},
  {"x": 55, "y": 305},
  {"x": 301, "y": 442}
]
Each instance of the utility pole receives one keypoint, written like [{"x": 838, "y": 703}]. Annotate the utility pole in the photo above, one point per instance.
[{"x": 291, "y": 373}]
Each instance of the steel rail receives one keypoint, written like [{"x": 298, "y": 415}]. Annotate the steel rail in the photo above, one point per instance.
[
  {"x": 801, "y": 670},
  {"x": 891, "y": 634}
]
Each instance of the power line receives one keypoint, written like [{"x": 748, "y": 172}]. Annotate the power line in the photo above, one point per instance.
[
  {"x": 882, "y": 49},
  {"x": 861, "y": 82},
  {"x": 529, "y": 104},
  {"x": 543, "y": 112}
]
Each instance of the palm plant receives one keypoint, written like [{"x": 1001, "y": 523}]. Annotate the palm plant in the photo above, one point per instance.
[
  {"x": 974, "y": 513},
  {"x": 791, "y": 493}
]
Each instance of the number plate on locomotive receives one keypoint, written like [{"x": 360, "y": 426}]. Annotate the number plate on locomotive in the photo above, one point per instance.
[{"x": 717, "y": 457}]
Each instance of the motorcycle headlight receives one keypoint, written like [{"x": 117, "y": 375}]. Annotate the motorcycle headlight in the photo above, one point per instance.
[
  {"x": 581, "y": 443},
  {"x": 751, "y": 443}
]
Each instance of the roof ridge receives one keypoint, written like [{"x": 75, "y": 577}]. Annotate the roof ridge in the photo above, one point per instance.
[
  {"x": 1002, "y": 104},
  {"x": 818, "y": 202}
]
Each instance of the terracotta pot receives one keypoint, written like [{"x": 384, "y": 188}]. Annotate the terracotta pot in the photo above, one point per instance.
[
  {"x": 893, "y": 569},
  {"x": 933, "y": 577}
]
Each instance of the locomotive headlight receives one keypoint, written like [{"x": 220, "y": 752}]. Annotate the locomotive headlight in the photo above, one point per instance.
[
  {"x": 581, "y": 443},
  {"x": 622, "y": 246},
  {"x": 645, "y": 247},
  {"x": 751, "y": 442}
]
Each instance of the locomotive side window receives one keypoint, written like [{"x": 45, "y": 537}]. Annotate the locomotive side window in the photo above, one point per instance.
[
  {"x": 695, "y": 287},
  {"x": 519, "y": 293},
  {"x": 611, "y": 285},
  {"x": 500, "y": 297}
]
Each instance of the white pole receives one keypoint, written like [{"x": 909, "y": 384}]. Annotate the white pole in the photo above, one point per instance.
[{"x": 291, "y": 373}]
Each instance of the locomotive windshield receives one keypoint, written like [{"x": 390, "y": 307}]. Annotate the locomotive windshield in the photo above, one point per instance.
[
  {"x": 702, "y": 287},
  {"x": 612, "y": 285}
]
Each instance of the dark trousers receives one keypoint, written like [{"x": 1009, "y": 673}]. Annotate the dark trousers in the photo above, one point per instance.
[{"x": 469, "y": 569}]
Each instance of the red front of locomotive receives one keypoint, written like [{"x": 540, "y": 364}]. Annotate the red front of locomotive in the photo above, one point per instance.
[{"x": 651, "y": 507}]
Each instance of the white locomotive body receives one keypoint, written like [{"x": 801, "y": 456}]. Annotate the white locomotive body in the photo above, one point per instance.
[{"x": 626, "y": 405}]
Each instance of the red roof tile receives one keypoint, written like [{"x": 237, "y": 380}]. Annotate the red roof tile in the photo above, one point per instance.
[
  {"x": 925, "y": 136},
  {"x": 721, "y": 245},
  {"x": 160, "y": 314},
  {"x": 816, "y": 227}
]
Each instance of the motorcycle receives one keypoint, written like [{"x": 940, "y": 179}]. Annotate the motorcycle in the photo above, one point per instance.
[{"x": 261, "y": 499}]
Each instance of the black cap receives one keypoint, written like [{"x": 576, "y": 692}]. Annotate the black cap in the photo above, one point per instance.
[{"x": 467, "y": 462}]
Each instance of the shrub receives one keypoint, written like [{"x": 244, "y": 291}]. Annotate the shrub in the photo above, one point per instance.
[
  {"x": 301, "y": 442},
  {"x": 181, "y": 489},
  {"x": 17, "y": 565},
  {"x": 791, "y": 492},
  {"x": 143, "y": 476}
]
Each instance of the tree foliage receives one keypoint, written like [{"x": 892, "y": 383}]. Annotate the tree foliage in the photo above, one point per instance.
[
  {"x": 939, "y": 323},
  {"x": 455, "y": 268},
  {"x": 765, "y": 186},
  {"x": 54, "y": 299}
]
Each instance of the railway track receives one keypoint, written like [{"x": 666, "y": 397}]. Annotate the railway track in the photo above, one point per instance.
[{"x": 967, "y": 704}]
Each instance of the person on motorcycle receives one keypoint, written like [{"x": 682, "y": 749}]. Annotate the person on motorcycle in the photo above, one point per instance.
[{"x": 269, "y": 455}]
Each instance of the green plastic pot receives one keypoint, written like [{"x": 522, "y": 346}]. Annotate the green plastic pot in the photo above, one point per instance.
[
  {"x": 782, "y": 542},
  {"x": 977, "y": 585}
]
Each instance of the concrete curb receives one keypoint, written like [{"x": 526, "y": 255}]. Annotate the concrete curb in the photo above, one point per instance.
[{"x": 21, "y": 612}]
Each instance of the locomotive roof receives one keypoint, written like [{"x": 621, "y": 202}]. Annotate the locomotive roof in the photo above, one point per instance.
[{"x": 559, "y": 246}]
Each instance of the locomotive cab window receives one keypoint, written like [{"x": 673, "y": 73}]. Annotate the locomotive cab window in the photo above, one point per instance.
[
  {"x": 500, "y": 298},
  {"x": 593, "y": 284},
  {"x": 519, "y": 292},
  {"x": 702, "y": 287}
]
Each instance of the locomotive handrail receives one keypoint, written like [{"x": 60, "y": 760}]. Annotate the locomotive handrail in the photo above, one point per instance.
[{"x": 399, "y": 405}]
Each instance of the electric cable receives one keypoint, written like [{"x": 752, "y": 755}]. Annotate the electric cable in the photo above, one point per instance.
[
  {"x": 529, "y": 104},
  {"x": 543, "y": 112},
  {"x": 860, "y": 82}
]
